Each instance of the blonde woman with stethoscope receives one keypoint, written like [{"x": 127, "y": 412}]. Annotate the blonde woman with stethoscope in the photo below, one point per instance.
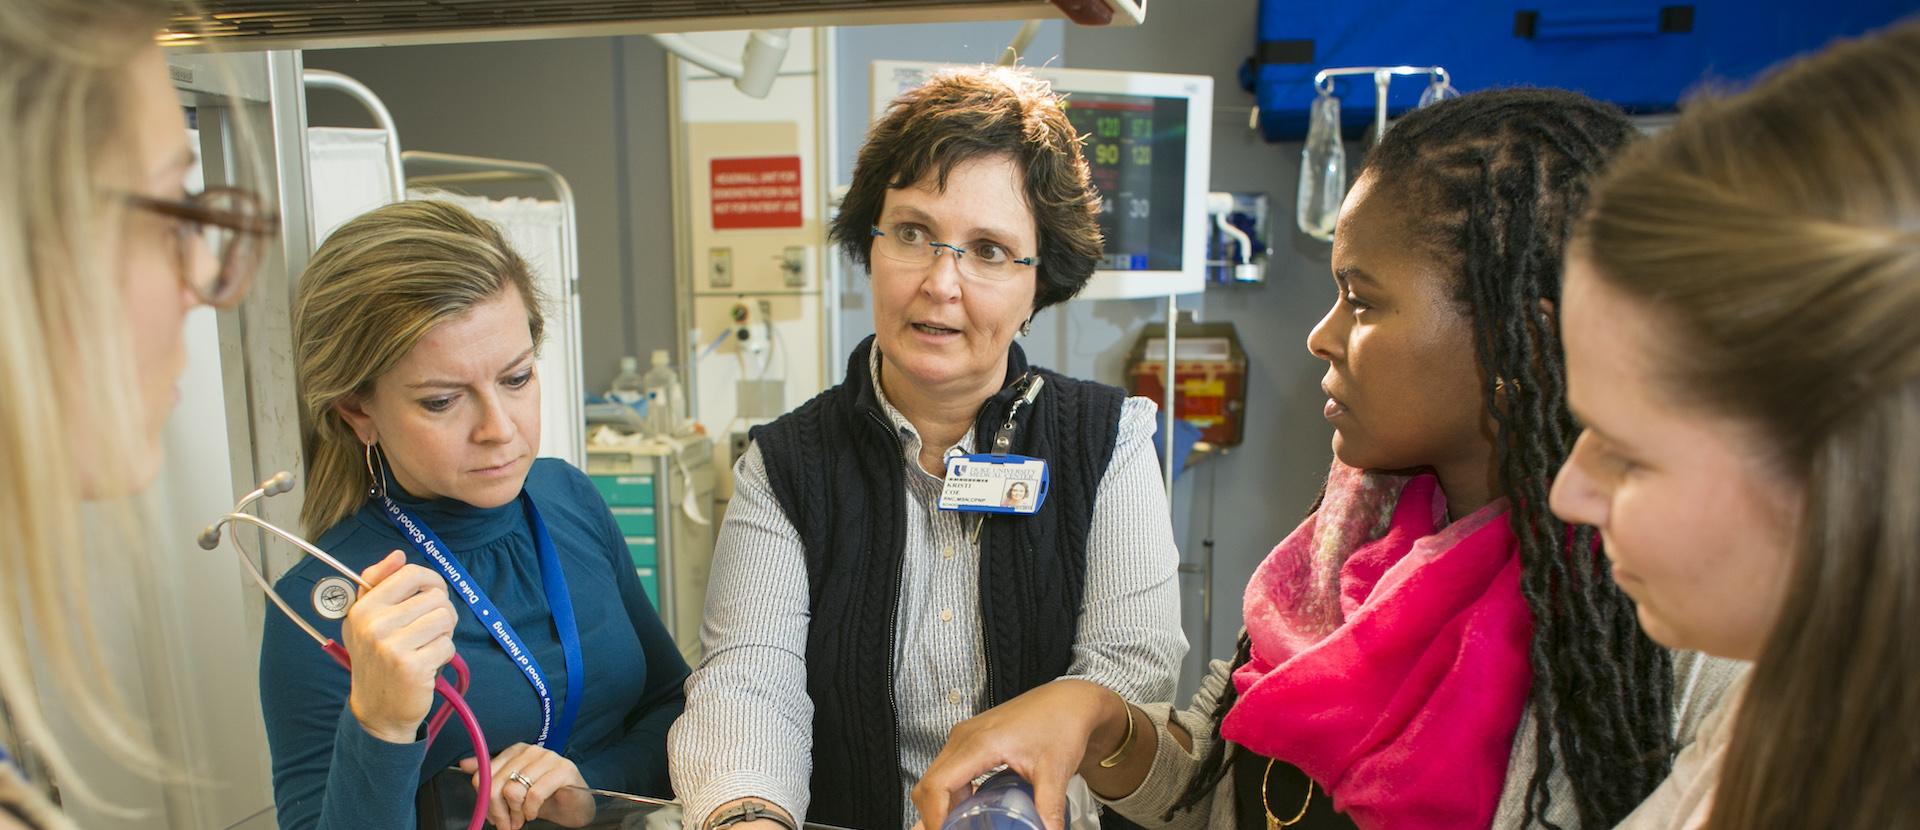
[
  {"x": 417, "y": 331},
  {"x": 101, "y": 257}
]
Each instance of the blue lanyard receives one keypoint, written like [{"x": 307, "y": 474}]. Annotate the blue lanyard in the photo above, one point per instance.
[{"x": 552, "y": 581}]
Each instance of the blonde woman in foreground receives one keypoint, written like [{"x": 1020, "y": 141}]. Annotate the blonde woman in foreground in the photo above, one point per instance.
[{"x": 102, "y": 254}]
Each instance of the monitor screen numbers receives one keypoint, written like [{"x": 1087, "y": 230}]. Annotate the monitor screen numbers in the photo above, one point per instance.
[{"x": 1136, "y": 146}]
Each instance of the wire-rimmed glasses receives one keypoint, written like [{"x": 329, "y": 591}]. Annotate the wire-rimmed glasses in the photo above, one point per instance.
[{"x": 911, "y": 244}]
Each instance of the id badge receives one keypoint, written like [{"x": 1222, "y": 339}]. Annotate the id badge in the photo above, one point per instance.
[{"x": 994, "y": 484}]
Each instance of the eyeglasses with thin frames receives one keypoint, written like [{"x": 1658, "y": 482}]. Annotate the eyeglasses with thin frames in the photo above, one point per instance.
[
  {"x": 233, "y": 225},
  {"x": 910, "y": 244}
]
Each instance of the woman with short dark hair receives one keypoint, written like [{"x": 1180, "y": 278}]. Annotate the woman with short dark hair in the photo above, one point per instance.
[{"x": 869, "y": 591}]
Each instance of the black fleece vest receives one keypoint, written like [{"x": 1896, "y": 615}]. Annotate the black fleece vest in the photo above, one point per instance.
[{"x": 837, "y": 468}]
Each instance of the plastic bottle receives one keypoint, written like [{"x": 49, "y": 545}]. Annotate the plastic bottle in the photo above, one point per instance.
[
  {"x": 1003, "y": 802},
  {"x": 666, "y": 402},
  {"x": 627, "y": 386}
]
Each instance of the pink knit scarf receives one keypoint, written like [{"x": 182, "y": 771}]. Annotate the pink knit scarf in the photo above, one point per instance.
[{"x": 1389, "y": 654}]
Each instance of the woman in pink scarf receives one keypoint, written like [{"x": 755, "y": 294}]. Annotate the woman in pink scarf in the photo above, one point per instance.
[{"x": 1431, "y": 648}]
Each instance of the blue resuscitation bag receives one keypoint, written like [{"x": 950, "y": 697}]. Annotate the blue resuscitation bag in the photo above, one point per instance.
[{"x": 1003, "y": 802}]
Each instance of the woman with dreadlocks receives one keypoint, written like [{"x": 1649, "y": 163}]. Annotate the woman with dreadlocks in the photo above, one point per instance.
[{"x": 1432, "y": 647}]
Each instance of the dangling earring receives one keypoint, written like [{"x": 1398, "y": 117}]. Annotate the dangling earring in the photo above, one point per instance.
[
  {"x": 1026, "y": 328},
  {"x": 377, "y": 488}
]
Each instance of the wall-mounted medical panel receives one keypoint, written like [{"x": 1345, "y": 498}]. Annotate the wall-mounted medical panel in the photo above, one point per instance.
[{"x": 750, "y": 220}]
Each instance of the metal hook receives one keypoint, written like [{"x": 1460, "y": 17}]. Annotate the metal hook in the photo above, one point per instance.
[{"x": 1382, "y": 78}]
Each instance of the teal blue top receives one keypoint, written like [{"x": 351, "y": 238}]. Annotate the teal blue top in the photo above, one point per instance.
[{"x": 329, "y": 773}]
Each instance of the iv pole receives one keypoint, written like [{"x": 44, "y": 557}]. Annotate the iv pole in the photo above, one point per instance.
[{"x": 1382, "y": 78}]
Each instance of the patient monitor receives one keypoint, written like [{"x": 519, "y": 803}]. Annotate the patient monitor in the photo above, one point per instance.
[{"x": 1148, "y": 140}]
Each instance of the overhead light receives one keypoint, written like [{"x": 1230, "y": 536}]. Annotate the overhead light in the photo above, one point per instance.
[{"x": 759, "y": 60}]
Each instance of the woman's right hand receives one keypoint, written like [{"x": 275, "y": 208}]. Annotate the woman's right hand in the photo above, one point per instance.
[
  {"x": 1047, "y": 735},
  {"x": 399, "y": 633}
]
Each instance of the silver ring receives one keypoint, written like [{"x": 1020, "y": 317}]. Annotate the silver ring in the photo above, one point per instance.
[{"x": 522, "y": 780}]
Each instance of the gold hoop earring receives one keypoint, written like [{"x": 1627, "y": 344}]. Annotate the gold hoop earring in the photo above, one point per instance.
[
  {"x": 1273, "y": 821},
  {"x": 377, "y": 486}
]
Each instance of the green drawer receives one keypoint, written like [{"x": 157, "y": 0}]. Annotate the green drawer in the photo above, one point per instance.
[
  {"x": 643, "y": 550},
  {"x": 650, "y": 581},
  {"x": 634, "y": 521},
  {"x": 625, "y": 490}
]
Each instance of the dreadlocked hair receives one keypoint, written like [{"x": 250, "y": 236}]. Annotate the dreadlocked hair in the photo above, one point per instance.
[{"x": 1498, "y": 179}]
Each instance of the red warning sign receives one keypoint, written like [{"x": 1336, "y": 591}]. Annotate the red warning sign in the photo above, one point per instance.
[{"x": 762, "y": 192}]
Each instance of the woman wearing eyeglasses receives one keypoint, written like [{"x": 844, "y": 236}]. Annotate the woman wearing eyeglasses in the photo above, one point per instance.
[
  {"x": 868, "y": 591},
  {"x": 103, "y": 252}
]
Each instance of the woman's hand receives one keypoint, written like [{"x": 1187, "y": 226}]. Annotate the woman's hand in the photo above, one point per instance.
[
  {"x": 398, "y": 634},
  {"x": 558, "y": 794},
  {"x": 1046, "y": 735}
]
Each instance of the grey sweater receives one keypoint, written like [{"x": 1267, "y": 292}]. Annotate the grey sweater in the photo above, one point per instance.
[{"x": 1699, "y": 683}]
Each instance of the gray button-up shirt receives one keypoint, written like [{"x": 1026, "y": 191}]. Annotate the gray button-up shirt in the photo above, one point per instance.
[{"x": 748, "y": 727}]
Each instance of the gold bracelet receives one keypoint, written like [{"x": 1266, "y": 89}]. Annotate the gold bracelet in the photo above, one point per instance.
[{"x": 1113, "y": 760}]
